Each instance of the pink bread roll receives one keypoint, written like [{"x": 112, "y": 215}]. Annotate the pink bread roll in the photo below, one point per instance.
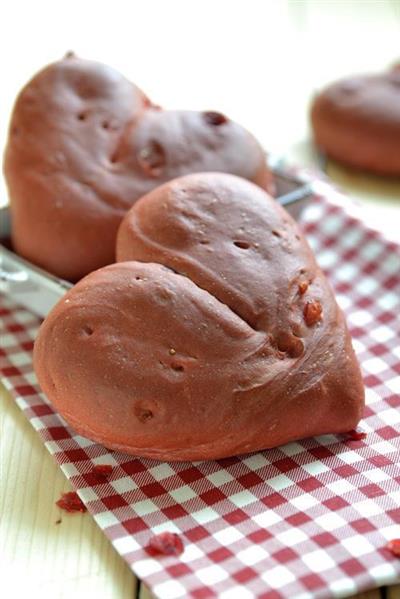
[
  {"x": 357, "y": 122},
  {"x": 85, "y": 144},
  {"x": 220, "y": 334}
]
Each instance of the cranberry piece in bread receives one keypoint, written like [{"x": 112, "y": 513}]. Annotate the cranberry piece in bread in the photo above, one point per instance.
[
  {"x": 356, "y": 121},
  {"x": 217, "y": 335},
  {"x": 85, "y": 144}
]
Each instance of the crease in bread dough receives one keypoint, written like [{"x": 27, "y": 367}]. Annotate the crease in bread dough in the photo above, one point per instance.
[
  {"x": 185, "y": 257},
  {"x": 264, "y": 342}
]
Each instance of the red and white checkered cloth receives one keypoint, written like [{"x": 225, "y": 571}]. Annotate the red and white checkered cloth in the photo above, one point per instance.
[{"x": 307, "y": 520}]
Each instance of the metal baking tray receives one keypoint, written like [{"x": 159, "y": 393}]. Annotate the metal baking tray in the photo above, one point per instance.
[{"x": 39, "y": 291}]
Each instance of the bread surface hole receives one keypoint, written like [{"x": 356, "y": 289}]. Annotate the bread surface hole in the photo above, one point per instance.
[{"x": 243, "y": 245}]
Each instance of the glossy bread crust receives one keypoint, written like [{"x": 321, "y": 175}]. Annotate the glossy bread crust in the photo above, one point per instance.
[
  {"x": 356, "y": 121},
  {"x": 216, "y": 335},
  {"x": 85, "y": 143}
]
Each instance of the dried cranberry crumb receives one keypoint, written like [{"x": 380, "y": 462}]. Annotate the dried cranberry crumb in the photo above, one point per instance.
[
  {"x": 394, "y": 547},
  {"x": 102, "y": 471},
  {"x": 312, "y": 312},
  {"x": 166, "y": 543},
  {"x": 71, "y": 502},
  {"x": 356, "y": 435},
  {"x": 214, "y": 118},
  {"x": 303, "y": 286}
]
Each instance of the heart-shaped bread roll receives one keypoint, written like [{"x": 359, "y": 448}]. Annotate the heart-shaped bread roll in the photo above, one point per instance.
[
  {"x": 219, "y": 335},
  {"x": 85, "y": 144}
]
